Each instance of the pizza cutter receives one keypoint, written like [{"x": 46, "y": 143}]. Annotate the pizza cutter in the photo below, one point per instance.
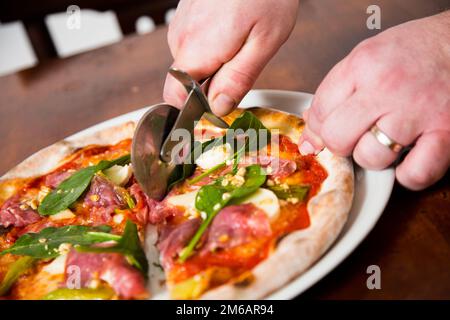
[{"x": 156, "y": 140}]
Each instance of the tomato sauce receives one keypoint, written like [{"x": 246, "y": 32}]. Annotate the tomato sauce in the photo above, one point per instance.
[{"x": 292, "y": 217}]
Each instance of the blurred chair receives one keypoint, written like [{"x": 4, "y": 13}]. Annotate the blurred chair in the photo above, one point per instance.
[
  {"x": 33, "y": 16},
  {"x": 16, "y": 52},
  {"x": 82, "y": 30}
]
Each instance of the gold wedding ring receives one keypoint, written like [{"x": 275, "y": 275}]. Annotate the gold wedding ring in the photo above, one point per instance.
[{"x": 385, "y": 140}]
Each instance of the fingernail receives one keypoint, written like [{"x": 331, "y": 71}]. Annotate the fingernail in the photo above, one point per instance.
[
  {"x": 223, "y": 104},
  {"x": 306, "y": 148}
]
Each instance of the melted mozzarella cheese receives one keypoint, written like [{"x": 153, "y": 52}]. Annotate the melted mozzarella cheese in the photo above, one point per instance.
[
  {"x": 65, "y": 214},
  {"x": 57, "y": 266},
  {"x": 266, "y": 200},
  {"x": 263, "y": 199},
  {"x": 119, "y": 175},
  {"x": 214, "y": 156},
  {"x": 186, "y": 200}
]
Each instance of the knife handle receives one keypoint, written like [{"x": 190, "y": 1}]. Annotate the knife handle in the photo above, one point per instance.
[{"x": 195, "y": 106}]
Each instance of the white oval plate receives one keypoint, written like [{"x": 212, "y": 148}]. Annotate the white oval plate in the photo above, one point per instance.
[{"x": 372, "y": 190}]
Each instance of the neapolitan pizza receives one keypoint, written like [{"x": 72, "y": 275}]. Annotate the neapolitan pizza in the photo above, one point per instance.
[{"x": 73, "y": 220}]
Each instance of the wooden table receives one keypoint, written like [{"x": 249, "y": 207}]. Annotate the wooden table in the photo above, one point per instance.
[{"x": 410, "y": 243}]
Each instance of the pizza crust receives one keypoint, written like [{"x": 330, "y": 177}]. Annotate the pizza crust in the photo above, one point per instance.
[
  {"x": 328, "y": 211},
  {"x": 285, "y": 123},
  {"x": 49, "y": 158}
]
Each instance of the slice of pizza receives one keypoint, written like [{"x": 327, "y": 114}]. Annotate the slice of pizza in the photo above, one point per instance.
[{"x": 254, "y": 214}]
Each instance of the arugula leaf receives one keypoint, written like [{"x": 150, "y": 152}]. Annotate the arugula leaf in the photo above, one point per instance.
[
  {"x": 297, "y": 192},
  {"x": 73, "y": 187},
  {"x": 128, "y": 245},
  {"x": 15, "y": 270},
  {"x": 45, "y": 244},
  {"x": 211, "y": 199}
]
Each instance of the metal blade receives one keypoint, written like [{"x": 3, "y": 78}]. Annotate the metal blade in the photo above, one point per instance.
[
  {"x": 183, "y": 129},
  {"x": 152, "y": 130},
  {"x": 156, "y": 143}
]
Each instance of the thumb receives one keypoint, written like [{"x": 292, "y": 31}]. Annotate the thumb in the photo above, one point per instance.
[
  {"x": 237, "y": 76},
  {"x": 310, "y": 142}
]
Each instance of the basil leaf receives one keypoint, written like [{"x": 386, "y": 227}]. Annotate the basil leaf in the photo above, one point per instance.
[
  {"x": 73, "y": 187},
  {"x": 211, "y": 199},
  {"x": 206, "y": 173},
  {"x": 45, "y": 244},
  {"x": 255, "y": 177},
  {"x": 237, "y": 158},
  {"x": 15, "y": 270},
  {"x": 247, "y": 121},
  {"x": 103, "y": 228},
  {"x": 244, "y": 122},
  {"x": 291, "y": 192},
  {"x": 128, "y": 245},
  {"x": 252, "y": 142}
]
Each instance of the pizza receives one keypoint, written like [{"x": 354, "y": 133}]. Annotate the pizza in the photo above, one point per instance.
[{"x": 242, "y": 221}]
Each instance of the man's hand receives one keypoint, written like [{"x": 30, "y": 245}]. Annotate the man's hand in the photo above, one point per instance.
[
  {"x": 400, "y": 81},
  {"x": 234, "y": 38}
]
